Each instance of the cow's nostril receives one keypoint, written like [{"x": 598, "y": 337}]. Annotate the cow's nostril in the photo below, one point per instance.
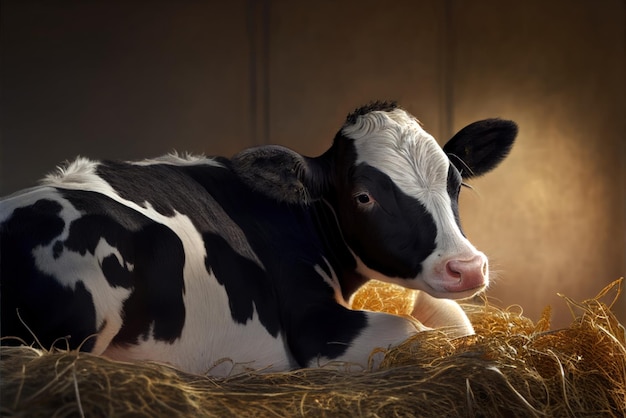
[{"x": 452, "y": 270}]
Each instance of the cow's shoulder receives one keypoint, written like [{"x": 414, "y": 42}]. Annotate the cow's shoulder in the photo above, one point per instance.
[{"x": 164, "y": 184}]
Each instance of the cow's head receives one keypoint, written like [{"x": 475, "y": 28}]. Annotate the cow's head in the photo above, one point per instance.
[{"x": 395, "y": 192}]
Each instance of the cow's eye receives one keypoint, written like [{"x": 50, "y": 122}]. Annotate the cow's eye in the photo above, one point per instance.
[{"x": 363, "y": 198}]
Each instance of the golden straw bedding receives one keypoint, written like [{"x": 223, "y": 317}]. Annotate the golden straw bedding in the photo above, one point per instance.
[{"x": 511, "y": 367}]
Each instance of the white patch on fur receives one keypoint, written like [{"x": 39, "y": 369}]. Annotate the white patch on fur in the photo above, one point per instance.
[
  {"x": 71, "y": 267},
  {"x": 185, "y": 159},
  {"x": 396, "y": 144},
  {"x": 220, "y": 347},
  {"x": 74, "y": 175},
  {"x": 331, "y": 281}
]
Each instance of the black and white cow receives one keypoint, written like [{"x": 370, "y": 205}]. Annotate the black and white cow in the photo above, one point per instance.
[{"x": 190, "y": 260}]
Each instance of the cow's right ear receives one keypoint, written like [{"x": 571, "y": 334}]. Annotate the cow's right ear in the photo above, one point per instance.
[
  {"x": 481, "y": 146},
  {"x": 280, "y": 173}
]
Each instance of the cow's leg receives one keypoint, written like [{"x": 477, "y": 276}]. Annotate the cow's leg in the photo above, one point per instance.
[
  {"x": 333, "y": 335},
  {"x": 443, "y": 314}
]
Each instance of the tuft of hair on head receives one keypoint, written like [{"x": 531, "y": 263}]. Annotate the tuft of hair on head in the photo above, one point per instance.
[{"x": 378, "y": 105}]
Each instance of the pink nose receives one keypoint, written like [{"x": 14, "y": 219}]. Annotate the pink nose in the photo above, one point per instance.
[{"x": 461, "y": 275}]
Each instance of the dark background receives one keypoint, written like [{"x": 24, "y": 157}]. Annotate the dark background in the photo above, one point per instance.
[{"x": 136, "y": 79}]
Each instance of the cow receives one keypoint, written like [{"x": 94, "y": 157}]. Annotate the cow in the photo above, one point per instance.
[{"x": 249, "y": 261}]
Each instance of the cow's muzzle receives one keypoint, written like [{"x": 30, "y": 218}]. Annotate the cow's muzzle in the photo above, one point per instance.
[{"x": 466, "y": 274}]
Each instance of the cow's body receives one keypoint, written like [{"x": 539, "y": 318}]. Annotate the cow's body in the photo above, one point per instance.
[{"x": 207, "y": 262}]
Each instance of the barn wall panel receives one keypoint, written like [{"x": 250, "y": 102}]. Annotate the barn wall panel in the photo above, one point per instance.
[
  {"x": 118, "y": 79},
  {"x": 330, "y": 57}
]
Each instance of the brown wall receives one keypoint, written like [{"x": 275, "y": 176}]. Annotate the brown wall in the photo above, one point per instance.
[{"x": 119, "y": 79}]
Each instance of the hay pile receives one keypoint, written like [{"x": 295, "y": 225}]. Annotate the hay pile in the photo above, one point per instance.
[{"x": 511, "y": 367}]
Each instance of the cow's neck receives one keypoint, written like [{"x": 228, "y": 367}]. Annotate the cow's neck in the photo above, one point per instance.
[{"x": 337, "y": 251}]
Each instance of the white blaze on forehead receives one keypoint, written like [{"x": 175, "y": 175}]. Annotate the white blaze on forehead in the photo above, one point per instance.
[{"x": 395, "y": 143}]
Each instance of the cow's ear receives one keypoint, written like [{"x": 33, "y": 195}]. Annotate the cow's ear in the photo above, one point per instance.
[
  {"x": 481, "y": 146},
  {"x": 280, "y": 173}
]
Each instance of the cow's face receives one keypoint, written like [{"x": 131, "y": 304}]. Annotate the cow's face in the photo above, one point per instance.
[
  {"x": 396, "y": 198},
  {"x": 395, "y": 192}
]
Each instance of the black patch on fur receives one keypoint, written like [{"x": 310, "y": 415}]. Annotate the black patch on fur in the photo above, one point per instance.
[
  {"x": 247, "y": 285},
  {"x": 37, "y": 224},
  {"x": 324, "y": 329},
  {"x": 156, "y": 254},
  {"x": 57, "y": 249},
  {"x": 116, "y": 274},
  {"x": 384, "y": 106},
  {"x": 401, "y": 231},
  {"x": 275, "y": 171},
  {"x": 481, "y": 146},
  {"x": 157, "y": 297},
  {"x": 51, "y": 310}
]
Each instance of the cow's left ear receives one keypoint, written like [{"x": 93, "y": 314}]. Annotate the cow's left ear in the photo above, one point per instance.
[
  {"x": 280, "y": 173},
  {"x": 481, "y": 146}
]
